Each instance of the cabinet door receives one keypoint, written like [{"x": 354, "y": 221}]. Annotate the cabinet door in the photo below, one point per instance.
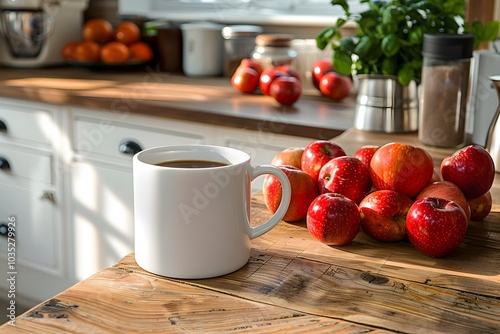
[
  {"x": 102, "y": 216},
  {"x": 38, "y": 236}
]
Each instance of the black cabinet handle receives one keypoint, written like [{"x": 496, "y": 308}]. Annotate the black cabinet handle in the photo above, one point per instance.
[
  {"x": 4, "y": 164},
  {"x": 3, "y": 126},
  {"x": 4, "y": 229},
  {"x": 129, "y": 147}
]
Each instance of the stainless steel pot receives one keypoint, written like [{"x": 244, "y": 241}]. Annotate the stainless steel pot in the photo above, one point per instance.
[
  {"x": 383, "y": 105},
  {"x": 25, "y": 31}
]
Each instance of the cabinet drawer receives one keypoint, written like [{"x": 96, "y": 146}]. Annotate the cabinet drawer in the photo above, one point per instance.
[
  {"x": 107, "y": 139},
  {"x": 21, "y": 123},
  {"x": 23, "y": 165},
  {"x": 37, "y": 231}
]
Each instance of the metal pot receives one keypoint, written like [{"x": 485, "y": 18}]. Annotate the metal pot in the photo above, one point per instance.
[
  {"x": 384, "y": 105},
  {"x": 25, "y": 31}
]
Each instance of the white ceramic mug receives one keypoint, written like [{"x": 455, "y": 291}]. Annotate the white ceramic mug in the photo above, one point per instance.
[
  {"x": 202, "y": 49},
  {"x": 195, "y": 222}
]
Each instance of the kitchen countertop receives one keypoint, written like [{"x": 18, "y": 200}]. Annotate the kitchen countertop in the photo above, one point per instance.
[
  {"x": 294, "y": 283},
  {"x": 151, "y": 92}
]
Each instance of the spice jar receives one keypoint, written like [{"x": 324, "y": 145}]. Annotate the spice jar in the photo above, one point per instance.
[
  {"x": 274, "y": 50},
  {"x": 239, "y": 42},
  {"x": 444, "y": 89}
]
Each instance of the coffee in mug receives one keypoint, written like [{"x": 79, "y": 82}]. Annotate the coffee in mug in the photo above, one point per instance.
[{"x": 192, "y": 209}]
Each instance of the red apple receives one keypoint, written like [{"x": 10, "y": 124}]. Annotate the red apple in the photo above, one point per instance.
[
  {"x": 347, "y": 176},
  {"x": 333, "y": 219},
  {"x": 286, "y": 90},
  {"x": 471, "y": 168},
  {"x": 245, "y": 79},
  {"x": 436, "y": 226},
  {"x": 335, "y": 86},
  {"x": 435, "y": 177},
  {"x": 365, "y": 153},
  {"x": 480, "y": 207},
  {"x": 401, "y": 167},
  {"x": 267, "y": 77},
  {"x": 304, "y": 191},
  {"x": 319, "y": 68},
  {"x": 318, "y": 153},
  {"x": 383, "y": 215},
  {"x": 291, "y": 156},
  {"x": 446, "y": 190}
]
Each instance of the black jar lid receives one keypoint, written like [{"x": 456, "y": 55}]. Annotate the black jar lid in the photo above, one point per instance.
[{"x": 448, "y": 46}]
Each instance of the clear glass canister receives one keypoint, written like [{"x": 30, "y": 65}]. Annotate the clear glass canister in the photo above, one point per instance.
[
  {"x": 444, "y": 89},
  {"x": 239, "y": 42},
  {"x": 274, "y": 50}
]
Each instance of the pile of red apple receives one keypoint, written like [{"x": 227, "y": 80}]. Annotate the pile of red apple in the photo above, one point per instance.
[
  {"x": 390, "y": 192},
  {"x": 283, "y": 82}
]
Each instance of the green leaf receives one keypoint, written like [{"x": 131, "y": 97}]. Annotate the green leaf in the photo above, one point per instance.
[
  {"x": 325, "y": 37},
  {"x": 343, "y": 4},
  {"x": 490, "y": 31},
  {"x": 405, "y": 74},
  {"x": 390, "y": 45},
  {"x": 342, "y": 62}
]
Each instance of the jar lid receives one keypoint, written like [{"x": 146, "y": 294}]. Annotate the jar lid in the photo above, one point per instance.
[
  {"x": 241, "y": 31},
  {"x": 201, "y": 26},
  {"x": 448, "y": 46},
  {"x": 283, "y": 40}
]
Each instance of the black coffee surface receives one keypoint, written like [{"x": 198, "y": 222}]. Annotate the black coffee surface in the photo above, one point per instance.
[{"x": 191, "y": 164}]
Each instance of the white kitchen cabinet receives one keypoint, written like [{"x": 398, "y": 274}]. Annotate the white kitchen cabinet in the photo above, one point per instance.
[{"x": 31, "y": 200}]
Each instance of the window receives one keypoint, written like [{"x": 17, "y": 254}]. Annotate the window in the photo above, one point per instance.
[{"x": 279, "y": 12}]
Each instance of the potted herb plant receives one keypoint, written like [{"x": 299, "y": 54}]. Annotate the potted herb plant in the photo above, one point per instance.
[{"x": 387, "y": 45}]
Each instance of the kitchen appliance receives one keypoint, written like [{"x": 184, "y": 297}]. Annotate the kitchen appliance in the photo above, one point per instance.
[{"x": 33, "y": 32}]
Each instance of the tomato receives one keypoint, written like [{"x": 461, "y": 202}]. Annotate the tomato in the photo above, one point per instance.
[
  {"x": 319, "y": 68},
  {"x": 86, "y": 51},
  {"x": 267, "y": 77},
  {"x": 140, "y": 51},
  {"x": 114, "y": 53},
  {"x": 286, "y": 89},
  {"x": 335, "y": 86},
  {"x": 245, "y": 79}
]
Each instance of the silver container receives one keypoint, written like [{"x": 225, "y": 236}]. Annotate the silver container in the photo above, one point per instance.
[
  {"x": 384, "y": 105},
  {"x": 25, "y": 31},
  {"x": 493, "y": 136}
]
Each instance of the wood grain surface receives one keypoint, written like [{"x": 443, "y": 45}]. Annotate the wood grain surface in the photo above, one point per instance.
[{"x": 294, "y": 284}]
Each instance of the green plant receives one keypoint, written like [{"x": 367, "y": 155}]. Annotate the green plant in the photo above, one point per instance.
[{"x": 389, "y": 35}]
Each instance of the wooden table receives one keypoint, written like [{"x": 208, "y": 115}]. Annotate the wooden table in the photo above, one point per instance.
[{"x": 294, "y": 284}]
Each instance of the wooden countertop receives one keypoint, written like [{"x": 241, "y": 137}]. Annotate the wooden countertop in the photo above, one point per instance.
[
  {"x": 151, "y": 92},
  {"x": 293, "y": 283}
]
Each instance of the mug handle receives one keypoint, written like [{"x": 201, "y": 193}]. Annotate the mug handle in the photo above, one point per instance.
[{"x": 286, "y": 193}]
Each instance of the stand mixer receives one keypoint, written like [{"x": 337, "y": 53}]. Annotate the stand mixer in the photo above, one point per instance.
[{"x": 33, "y": 32}]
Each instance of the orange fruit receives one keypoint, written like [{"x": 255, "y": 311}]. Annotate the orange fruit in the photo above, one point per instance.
[
  {"x": 97, "y": 30},
  {"x": 67, "y": 51},
  {"x": 140, "y": 51},
  {"x": 86, "y": 51},
  {"x": 115, "y": 53},
  {"x": 127, "y": 32}
]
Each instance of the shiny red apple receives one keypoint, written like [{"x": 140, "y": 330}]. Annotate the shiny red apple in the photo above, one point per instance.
[
  {"x": 304, "y": 191},
  {"x": 471, "y": 168},
  {"x": 480, "y": 207},
  {"x": 248, "y": 62},
  {"x": 347, "y": 176},
  {"x": 289, "y": 70},
  {"x": 365, "y": 153},
  {"x": 446, "y": 190},
  {"x": 335, "y": 86},
  {"x": 286, "y": 90},
  {"x": 401, "y": 167},
  {"x": 318, "y": 153},
  {"x": 291, "y": 156},
  {"x": 245, "y": 80},
  {"x": 436, "y": 226},
  {"x": 383, "y": 215},
  {"x": 333, "y": 219}
]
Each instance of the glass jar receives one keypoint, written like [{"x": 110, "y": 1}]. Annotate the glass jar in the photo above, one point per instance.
[
  {"x": 274, "y": 50},
  {"x": 444, "y": 89},
  {"x": 239, "y": 42}
]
